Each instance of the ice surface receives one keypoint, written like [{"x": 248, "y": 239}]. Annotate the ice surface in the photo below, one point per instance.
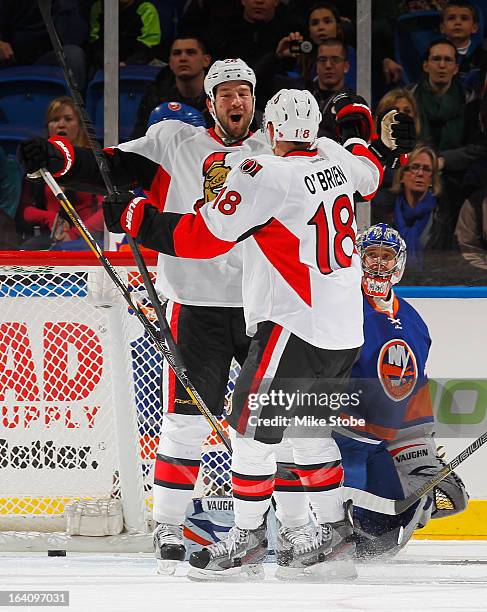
[{"x": 426, "y": 576}]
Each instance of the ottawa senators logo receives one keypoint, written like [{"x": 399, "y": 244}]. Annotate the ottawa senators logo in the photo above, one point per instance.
[
  {"x": 397, "y": 369},
  {"x": 250, "y": 166},
  {"x": 215, "y": 174}
]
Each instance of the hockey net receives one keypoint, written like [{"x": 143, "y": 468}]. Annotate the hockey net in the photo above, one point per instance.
[{"x": 80, "y": 407}]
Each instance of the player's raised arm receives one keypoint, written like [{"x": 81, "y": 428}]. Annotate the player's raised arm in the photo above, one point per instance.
[
  {"x": 350, "y": 119},
  {"x": 131, "y": 164}
]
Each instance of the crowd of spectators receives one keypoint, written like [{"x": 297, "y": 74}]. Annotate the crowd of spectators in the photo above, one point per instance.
[{"x": 437, "y": 201}]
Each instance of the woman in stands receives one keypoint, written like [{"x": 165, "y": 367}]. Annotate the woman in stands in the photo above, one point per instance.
[
  {"x": 409, "y": 205},
  {"x": 41, "y": 220}
]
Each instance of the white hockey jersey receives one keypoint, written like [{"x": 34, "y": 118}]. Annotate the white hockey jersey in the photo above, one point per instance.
[
  {"x": 194, "y": 164},
  {"x": 300, "y": 266}
]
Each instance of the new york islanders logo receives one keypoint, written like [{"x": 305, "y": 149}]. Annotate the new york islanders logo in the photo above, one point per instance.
[
  {"x": 397, "y": 369},
  {"x": 214, "y": 176}
]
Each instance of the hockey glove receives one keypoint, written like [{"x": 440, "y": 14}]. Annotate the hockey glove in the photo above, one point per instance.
[
  {"x": 351, "y": 117},
  {"x": 397, "y": 137},
  {"x": 55, "y": 155},
  {"x": 124, "y": 213}
]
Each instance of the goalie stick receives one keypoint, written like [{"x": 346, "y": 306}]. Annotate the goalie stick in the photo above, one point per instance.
[
  {"x": 171, "y": 352},
  {"x": 369, "y": 501}
]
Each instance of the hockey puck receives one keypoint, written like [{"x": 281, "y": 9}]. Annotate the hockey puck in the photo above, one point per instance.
[{"x": 56, "y": 553}]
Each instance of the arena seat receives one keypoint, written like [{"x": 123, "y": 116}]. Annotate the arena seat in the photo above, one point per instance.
[
  {"x": 133, "y": 81},
  {"x": 25, "y": 92}
]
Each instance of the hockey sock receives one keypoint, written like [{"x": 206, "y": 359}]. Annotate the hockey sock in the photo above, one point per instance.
[
  {"x": 319, "y": 467},
  {"x": 253, "y": 474}
]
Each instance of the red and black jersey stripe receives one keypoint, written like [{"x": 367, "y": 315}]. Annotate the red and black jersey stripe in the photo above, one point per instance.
[{"x": 175, "y": 473}]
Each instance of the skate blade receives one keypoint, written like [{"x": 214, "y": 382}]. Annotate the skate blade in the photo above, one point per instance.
[
  {"x": 328, "y": 571},
  {"x": 246, "y": 573},
  {"x": 166, "y": 567}
]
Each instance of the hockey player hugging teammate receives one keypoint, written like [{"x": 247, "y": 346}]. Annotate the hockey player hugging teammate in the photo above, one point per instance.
[{"x": 293, "y": 212}]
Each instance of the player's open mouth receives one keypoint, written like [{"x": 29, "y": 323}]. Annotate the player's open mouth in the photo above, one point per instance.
[
  {"x": 61, "y": 132},
  {"x": 235, "y": 118}
]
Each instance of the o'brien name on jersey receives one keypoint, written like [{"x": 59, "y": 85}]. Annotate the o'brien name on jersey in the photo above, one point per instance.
[{"x": 329, "y": 178}]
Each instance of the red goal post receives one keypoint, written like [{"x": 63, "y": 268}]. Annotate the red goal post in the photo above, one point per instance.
[{"x": 80, "y": 406}]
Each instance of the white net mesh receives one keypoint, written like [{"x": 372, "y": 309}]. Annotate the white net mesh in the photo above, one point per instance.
[{"x": 70, "y": 352}]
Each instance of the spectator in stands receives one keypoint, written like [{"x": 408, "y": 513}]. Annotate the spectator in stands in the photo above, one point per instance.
[
  {"x": 471, "y": 229},
  {"x": 291, "y": 67},
  {"x": 442, "y": 110},
  {"x": 24, "y": 39},
  {"x": 475, "y": 176},
  {"x": 440, "y": 97},
  {"x": 325, "y": 22},
  {"x": 385, "y": 70},
  {"x": 40, "y": 213},
  {"x": 459, "y": 22},
  {"x": 417, "y": 187},
  {"x": 10, "y": 184},
  {"x": 261, "y": 26},
  {"x": 331, "y": 67},
  {"x": 411, "y": 201},
  {"x": 139, "y": 33},
  {"x": 182, "y": 81}
]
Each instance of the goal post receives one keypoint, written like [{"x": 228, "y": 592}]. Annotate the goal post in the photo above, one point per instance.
[{"x": 80, "y": 407}]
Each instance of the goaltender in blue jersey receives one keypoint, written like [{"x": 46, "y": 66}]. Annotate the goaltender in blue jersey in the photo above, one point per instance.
[{"x": 394, "y": 452}]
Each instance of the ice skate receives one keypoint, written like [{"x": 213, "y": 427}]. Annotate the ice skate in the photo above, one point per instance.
[
  {"x": 318, "y": 552},
  {"x": 240, "y": 555},
  {"x": 169, "y": 548}
]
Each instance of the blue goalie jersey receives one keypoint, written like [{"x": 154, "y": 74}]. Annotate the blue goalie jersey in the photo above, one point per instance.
[{"x": 389, "y": 376}]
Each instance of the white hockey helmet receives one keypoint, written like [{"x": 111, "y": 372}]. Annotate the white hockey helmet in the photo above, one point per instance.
[
  {"x": 223, "y": 71},
  {"x": 294, "y": 114}
]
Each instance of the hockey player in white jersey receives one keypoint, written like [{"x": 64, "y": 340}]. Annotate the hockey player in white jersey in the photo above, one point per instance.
[
  {"x": 181, "y": 167},
  {"x": 293, "y": 211}
]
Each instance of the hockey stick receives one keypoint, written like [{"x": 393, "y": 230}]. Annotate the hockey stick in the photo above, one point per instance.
[
  {"x": 150, "y": 329},
  {"x": 366, "y": 500},
  {"x": 175, "y": 362}
]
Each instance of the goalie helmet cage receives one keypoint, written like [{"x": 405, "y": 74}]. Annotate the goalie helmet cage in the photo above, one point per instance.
[{"x": 80, "y": 407}]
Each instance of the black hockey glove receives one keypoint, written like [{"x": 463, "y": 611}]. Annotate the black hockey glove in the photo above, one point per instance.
[
  {"x": 397, "y": 136},
  {"x": 55, "y": 155},
  {"x": 347, "y": 115},
  {"x": 124, "y": 212}
]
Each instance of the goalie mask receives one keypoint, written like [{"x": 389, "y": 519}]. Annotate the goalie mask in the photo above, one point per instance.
[
  {"x": 383, "y": 255},
  {"x": 294, "y": 115}
]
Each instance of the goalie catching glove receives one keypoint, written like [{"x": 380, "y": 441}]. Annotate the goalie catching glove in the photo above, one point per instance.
[
  {"x": 55, "y": 155},
  {"x": 124, "y": 212},
  {"x": 397, "y": 136},
  {"x": 348, "y": 116}
]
